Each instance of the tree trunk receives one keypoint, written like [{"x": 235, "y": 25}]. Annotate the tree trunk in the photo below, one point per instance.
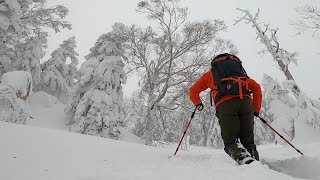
[{"x": 149, "y": 120}]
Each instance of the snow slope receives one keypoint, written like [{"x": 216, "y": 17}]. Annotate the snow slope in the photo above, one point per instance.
[
  {"x": 46, "y": 111},
  {"x": 31, "y": 153}
]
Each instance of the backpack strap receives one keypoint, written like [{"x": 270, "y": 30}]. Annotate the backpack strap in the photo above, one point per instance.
[
  {"x": 227, "y": 57},
  {"x": 242, "y": 80},
  {"x": 211, "y": 103}
]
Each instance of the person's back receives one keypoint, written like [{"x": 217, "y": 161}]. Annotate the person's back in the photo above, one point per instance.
[{"x": 235, "y": 108}]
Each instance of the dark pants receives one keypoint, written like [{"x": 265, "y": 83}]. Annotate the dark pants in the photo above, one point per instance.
[{"x": 236, "y": 122}]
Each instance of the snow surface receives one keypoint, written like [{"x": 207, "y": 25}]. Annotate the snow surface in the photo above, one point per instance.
[
  {"x": 41, "y": 154},
  {"x": 46, "y": 111}
]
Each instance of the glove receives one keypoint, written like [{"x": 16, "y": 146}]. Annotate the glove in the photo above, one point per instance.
[
  {"x": 200, "y": 106},
  {"x": 256, "y": 114}
]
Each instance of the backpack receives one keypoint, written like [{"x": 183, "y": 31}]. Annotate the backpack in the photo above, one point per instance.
[{"x": 229, "y": 76}]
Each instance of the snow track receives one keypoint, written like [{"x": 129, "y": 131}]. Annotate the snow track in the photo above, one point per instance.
[{"x": 304, "y": 167}]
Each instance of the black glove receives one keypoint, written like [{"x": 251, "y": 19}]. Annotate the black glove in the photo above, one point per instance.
[
  {"x": 256, "y": 114},
  {"x": 200, "y": 106}
]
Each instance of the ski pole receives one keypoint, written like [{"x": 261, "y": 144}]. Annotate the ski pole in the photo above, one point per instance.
[
  {"x": 265, "y": 122},
  {"x": 184, "y": 133}
]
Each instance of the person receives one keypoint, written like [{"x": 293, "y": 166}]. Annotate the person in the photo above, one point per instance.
[{"x": 235, "y": 112}]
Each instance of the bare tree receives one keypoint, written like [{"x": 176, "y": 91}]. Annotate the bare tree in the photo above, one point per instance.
[
  {"x": 268, "y": 37},
  {"x": 309, "y": 19},
  {"x": 169, "y": 56}
]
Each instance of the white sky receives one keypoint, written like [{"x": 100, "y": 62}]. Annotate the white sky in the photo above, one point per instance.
[{"x": 92, "y": 18}]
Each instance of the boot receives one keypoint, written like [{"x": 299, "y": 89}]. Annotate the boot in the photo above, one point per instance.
[
  {"x": 254, "y": 153},
  {"x": 244, "y": 158}
]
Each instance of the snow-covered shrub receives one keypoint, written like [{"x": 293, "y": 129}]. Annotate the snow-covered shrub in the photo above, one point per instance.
[
  {"x": 10, "y": 107},
  {"x": 307, "y": 121},
  {"x": 15, "y": 88},
  {"x": 282, "y": 107},
  {"x": 57, "y": 76},
  {"x": 21, "y": 81}
]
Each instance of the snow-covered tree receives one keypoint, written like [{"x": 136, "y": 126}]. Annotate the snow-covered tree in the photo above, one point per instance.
[
  {"x": 282, "y": 107},
  {"x": 97, "y": 103},
  {"x": 309, "y": 19},
  {"x": 26, "y": 56},
  {"x": 58, "y": 75},
  {"x": 284, "y": 58},
  {"x": 11, "y": 14},
  {"x": 23, "y": 36},
  {"x": 262, "y": 133},
  {"x": 168, "y": 56},
  {"x": 307, "y": 121},
  {"x": 135, "y": 111},
  {"x": 15, "y": 88},
  {"x": 268, "y": 37},
  {"x": 22, "y": 19}
]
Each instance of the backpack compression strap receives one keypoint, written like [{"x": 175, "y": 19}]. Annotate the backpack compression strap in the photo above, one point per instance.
[{"x": 241, "y": 81}]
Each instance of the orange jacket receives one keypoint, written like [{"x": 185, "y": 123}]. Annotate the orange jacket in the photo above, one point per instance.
[{"x": 207, "y": 81}]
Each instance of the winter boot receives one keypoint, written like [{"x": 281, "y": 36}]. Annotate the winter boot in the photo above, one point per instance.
[
  {"x": 254, "y": 153},
  {"x": 239, "y": 154},
  {"x": 244, "y": 158}
]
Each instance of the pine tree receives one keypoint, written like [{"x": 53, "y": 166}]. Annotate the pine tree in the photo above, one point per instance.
[
  {"x": 97, "y": 106},
  {"x": 23, "y": 36},
  {"x": 57, "y": 77}
]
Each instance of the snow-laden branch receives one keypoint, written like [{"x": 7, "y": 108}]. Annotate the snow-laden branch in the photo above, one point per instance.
[
  {"x": 309, "y": 19},
  {"x": 280, "y": 55}
]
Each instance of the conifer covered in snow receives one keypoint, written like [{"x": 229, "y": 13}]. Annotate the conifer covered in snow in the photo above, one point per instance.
[
  {"x": 57, "y": 76},
  {"x": 22, "y": 19},
  {"x": 97, "y": 102},
  {"x": 26, "y": 57},
  {"x": 10, "y": 14},
  {"x": 23, "y": 36}
]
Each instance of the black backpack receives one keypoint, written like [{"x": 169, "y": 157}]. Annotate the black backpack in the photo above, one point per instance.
[{"x": 229, "y": 76}]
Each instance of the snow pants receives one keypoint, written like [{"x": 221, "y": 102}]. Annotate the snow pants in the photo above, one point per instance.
[{"x": 237, "y": 121}]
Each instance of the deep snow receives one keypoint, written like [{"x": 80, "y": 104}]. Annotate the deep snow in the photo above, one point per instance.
[{"x": 32, "y": 153}]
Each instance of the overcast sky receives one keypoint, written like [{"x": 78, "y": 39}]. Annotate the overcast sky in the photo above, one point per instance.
[{"x": 91, "y": 18}]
